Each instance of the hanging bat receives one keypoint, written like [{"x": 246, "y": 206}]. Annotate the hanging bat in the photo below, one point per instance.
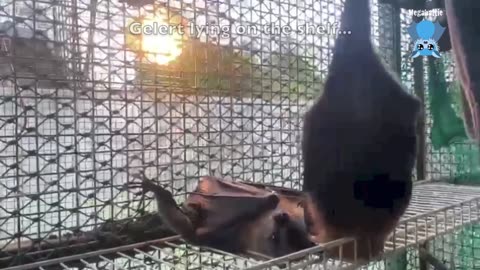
[
  {"x": 359, "y": 144},
  {"x": 235, "y": 217}
]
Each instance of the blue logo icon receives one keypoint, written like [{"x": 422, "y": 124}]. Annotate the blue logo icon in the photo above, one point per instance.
[{"x": 426, "y": 35}]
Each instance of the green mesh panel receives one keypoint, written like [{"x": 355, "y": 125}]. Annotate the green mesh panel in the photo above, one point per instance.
[{"x": 456, "y": 157}]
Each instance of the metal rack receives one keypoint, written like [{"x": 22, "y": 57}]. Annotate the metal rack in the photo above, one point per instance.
[
  {"x": 436, "y": 209},
  {"x": 54, "y": 182}
]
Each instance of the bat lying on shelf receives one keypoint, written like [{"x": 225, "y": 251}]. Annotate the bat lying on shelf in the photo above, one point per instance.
[
  {"x": 235, "y": 217},
  {"x": 252, "y": 219}
]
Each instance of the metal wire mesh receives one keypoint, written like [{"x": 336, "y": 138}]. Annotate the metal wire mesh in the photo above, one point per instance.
[
  {"x": 436, "y": 210},
  {"x": 440, "y": 162},
  {"x": 458, "y": 250},
  {"x": 81, "y": 112},
  {"x": 458, "y": 161},
  {"x": 68, "y": 143}
]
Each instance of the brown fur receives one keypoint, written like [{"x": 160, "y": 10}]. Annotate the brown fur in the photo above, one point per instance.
[
  {"x": 359, "y": 144},
  {"x": 236, "y": 217}
]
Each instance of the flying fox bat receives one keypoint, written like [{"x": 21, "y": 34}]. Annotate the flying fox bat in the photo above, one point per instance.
[
  {"x": 359, "y": 144},
  {"x": 235, "y": 217}
]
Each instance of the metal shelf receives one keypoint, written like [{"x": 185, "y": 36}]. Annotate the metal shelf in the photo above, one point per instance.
[{"x": 436, "y": 209}]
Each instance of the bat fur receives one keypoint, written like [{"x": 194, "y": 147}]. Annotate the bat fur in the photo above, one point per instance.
[
  {"x": 359, "y": 144},
  {"x": 235, "y": 217}
]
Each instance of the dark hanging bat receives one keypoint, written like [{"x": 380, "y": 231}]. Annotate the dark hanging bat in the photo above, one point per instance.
[
  {"x": 236, "y": 217},
  {"x": 359, "y": 144},
  {"x": 463, "y": 27}
]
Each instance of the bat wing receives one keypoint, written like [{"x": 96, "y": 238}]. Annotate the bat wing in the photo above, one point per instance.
[
  {"x": 439, "y": 30},
  {"x": 280, "y": 190},
  {"x": 225, "y": 204},
  {"x": 291, "y": 201},
  {"x": 412, "y": 31},
  {"x": 210, "y": 185}
]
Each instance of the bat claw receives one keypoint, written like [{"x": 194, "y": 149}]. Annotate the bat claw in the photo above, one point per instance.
[
  {"x": 148, "y": 185},
  {"x": 136, "y": 183},
  {"x": 132, "y": 185}
]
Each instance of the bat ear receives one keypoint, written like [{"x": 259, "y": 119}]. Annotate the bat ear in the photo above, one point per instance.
[{"x": 207, "y": 185}]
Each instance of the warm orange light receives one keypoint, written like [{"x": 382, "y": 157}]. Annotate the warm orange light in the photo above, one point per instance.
[{"x": 159, "y": 47}]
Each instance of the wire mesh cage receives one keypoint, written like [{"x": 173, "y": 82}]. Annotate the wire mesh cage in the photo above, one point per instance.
[{"x": 86, "y": 104}]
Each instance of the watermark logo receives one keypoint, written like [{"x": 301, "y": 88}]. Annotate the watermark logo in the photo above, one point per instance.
[{"x": 426, "y": 35}]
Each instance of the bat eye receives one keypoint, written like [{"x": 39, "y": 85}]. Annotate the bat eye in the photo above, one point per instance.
[
  {"x": 430, "y": 47},
  {"x": 420, "y": 47}
]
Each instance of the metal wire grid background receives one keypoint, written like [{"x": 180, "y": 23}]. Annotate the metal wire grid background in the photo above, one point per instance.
[
  {"x": 442, "y": 163},
  {"x": 457, "y": 162},
  {"x": 445, "y": 163},
  {"x": 459, "y": 250},
  {"x": 70, "y": 143}
]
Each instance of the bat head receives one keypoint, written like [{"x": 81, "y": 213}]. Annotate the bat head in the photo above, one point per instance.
[
  {"x": 282, "y": 230},
  {"x": 366, "y": 246},
  {"x": 277, "y": 233}
]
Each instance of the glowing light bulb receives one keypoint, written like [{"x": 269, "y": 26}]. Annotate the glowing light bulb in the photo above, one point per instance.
[{"x": 157, "y": 47}]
